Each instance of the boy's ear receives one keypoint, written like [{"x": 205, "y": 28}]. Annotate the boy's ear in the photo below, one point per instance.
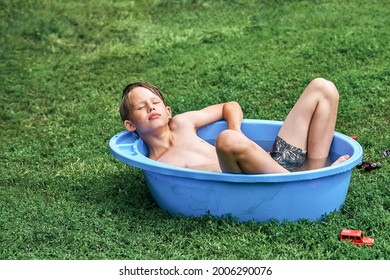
[
  {"x": 129, "y": 125},
  {"x": 169, "y": 111}
]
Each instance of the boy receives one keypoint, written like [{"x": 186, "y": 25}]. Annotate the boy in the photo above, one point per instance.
[{"x": 303, "y": 141}]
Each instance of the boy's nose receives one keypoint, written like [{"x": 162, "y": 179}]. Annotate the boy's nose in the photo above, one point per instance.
[{"x": 150, "y": 109}]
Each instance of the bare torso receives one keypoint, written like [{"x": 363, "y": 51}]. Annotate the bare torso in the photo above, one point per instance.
[{"x": 188, "y": 150}]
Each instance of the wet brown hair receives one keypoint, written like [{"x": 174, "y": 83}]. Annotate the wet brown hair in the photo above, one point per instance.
[{"x": 124, "y": 108}]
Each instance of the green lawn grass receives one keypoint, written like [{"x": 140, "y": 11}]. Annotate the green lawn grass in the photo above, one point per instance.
[{"x": 64, "y": 65}]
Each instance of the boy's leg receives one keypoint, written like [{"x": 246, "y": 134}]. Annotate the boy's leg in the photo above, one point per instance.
[
  {"x": 311, "y": 122},
  {"x": 239, "y": 154},
  {"x": 309, "y": 126}
]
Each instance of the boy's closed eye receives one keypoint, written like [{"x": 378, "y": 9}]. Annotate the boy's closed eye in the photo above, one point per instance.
[
  {"x": 155, "y": 101},
  {"x": 139, "y": 106}
]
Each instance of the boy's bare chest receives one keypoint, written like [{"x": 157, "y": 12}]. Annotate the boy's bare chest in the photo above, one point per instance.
[{"x": 190, "y": 152}]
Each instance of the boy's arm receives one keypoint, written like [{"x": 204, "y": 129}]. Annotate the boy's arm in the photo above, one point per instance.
[{"x": 230, "y": 111}]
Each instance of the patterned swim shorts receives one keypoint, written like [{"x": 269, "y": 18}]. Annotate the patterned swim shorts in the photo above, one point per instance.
[{"x": 288, "y": 156}]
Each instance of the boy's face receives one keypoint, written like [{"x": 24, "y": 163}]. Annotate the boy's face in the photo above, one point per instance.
[{"x": 147, "y": 111}]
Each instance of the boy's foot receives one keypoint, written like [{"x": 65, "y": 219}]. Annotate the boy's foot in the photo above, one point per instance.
[{"x": 341, "y": 159}]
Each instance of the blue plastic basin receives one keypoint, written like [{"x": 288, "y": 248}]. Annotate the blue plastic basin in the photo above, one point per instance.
[{"x": 283, "y": 197}]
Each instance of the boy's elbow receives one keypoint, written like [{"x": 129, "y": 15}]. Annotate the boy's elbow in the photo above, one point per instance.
[
  {"x": 233, "y": 104},
  {"x": 231, "y": 107}
]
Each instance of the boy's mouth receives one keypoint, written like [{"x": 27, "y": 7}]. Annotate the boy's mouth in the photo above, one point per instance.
[{"x": 153, "y": 116}]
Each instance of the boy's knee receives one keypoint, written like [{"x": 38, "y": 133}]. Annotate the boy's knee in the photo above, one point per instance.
[
  {"x": 229, "y": 141},
  {"x": 327, "y": 89}
]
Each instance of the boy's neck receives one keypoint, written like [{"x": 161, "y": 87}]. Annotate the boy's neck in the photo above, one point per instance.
[{"x": 158, "y": 143}]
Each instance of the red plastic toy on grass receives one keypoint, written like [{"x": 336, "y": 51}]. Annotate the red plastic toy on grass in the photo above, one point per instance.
[{"x": 356, "y": 236}]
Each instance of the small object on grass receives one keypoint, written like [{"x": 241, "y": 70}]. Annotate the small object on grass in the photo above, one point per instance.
[
  {"x": 353, "y": 137},
  {"x": 356, "y": 237},
  {"x": 369, "y": 166},
  {"x": 386, "y": 153}
]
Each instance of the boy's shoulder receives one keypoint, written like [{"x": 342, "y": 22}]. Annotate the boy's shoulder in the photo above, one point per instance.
[{"x": 181, "y": 121}]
